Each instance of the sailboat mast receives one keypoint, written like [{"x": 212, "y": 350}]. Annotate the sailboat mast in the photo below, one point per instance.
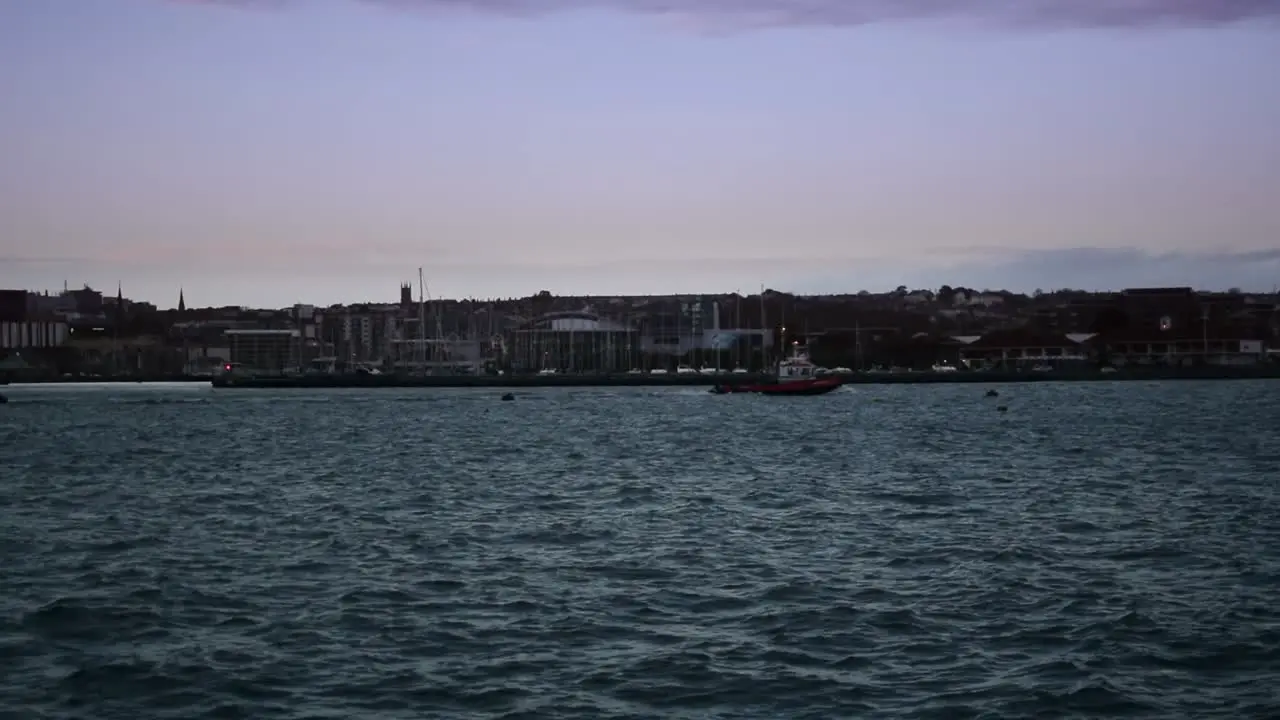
[
  {"x": 857, "y": 345},
  {"x": 422, "y": 324},
  {"x": 737, "y": 327},
  {"x": 764, "y": 325}
]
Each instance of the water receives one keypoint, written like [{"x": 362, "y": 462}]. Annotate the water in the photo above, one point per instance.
[{"x": 1099, "y": 550}]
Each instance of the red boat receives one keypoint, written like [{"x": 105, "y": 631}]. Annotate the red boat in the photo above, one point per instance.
[{"x": 795, "y": 376}]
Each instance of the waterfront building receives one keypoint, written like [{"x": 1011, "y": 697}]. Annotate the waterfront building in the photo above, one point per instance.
[
  {"x": 33, "y": 334},
  {"x": 264, "y": 351},
  {"x": 1168, "y": 345},
  {"x": 1024, "y": 346},
  {"x": 574, "y": 341}
]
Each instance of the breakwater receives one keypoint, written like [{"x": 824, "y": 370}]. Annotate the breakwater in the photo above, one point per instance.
[{"x": 673, "y": 380}]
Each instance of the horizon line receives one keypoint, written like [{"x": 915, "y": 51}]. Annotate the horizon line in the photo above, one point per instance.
[{"x": 1233, "y": 291}]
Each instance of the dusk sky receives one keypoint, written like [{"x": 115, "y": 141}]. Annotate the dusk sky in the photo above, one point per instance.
[{"x": 271, "y": 152}]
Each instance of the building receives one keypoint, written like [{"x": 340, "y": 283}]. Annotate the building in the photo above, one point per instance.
[
  {"x": 33, "y": 334},
  {"x": 24, "y": 327},
  {"x": 13, "y": 305},
  {"x": 262, "y": 351},
  {"x": 1179, "y": 327},
  {"x": 1177, "y": 307},
  {"x": 364, "y": 334},
  {"x": 700, "y": 332},
  {"x": 1024, "y": 346},
  {"x": 574, "y": 342},
  {"x": 87, "y": 301},
  {"x": 1167, "y": 344},
  {"x": 973, "y": 298},
  {"x": 920, "y": 351}
]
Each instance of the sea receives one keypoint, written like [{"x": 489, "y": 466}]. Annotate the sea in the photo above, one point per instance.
[{"x": 1074, "y": 550}]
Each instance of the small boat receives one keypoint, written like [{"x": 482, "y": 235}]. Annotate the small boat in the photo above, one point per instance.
[{"x": 796, "y": 375}]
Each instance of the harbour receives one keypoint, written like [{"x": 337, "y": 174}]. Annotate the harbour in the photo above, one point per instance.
[
  {"x": 361, "y": 380},
  {"x": 327, "y": 540}
]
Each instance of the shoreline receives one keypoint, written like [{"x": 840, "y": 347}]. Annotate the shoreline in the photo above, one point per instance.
[
  {"x": 618, "y": 381},
  {"x": 1258, "y": 372}
]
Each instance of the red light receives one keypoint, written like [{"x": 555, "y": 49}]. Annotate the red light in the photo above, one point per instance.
[{"x": 227, "y": 367}]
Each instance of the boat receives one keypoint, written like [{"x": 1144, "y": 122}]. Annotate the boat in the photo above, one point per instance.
[{"x": 795, "y": 375}]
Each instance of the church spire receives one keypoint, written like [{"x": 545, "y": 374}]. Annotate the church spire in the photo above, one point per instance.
[{"x": 182, "y": 302}]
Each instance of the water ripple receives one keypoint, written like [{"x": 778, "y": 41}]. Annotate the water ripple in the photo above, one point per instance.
[{"x": 1097, "y": 551}]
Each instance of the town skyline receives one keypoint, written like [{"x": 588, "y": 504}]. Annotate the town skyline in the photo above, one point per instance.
[{"x": 389, "y": 298}]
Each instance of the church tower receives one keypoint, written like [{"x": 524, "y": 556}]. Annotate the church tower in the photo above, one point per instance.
[{"x": 182, "y": 302}]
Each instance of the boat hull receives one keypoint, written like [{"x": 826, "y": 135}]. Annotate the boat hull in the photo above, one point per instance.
[{"x": 815, "y": 386}]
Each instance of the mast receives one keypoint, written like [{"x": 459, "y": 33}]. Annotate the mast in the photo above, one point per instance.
[
  {"x": 680, "y": 308},
  {"x": 715, "y": 317},
  {"x": 438, "y": 312},
  {"x": 737, "y": 329},
  {"x": 782, "y": 329},
  {"x": 764, "y": 325},
  {"x": 422, "y": 324},
  {"x": 857, "y": 345},
  {"x": 1204, "y": 331},
  {"x": 115, "y": 330},
  {"x": 297, "y": 324}
]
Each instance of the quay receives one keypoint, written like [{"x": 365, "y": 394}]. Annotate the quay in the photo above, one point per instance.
[
  {"x": 482, "y": 381},
  {"x": 1256, "y": 372},
  {"x": 585, "y": 380}
]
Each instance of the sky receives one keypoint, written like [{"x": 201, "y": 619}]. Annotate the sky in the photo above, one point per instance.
[{"x": 267, "y": 152}]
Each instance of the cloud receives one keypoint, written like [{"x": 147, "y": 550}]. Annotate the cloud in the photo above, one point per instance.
[
  {"x": 746, "y": 14},
  {"x": 1082, "y": 268}
]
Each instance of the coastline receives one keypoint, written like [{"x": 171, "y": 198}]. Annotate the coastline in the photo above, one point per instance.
[
  {"x": 1254, "y": 372},
  {"x": 605, "y": 381}
]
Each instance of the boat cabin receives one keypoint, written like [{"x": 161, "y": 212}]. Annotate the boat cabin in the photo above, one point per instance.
[{"x": 798, "y": 366}]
